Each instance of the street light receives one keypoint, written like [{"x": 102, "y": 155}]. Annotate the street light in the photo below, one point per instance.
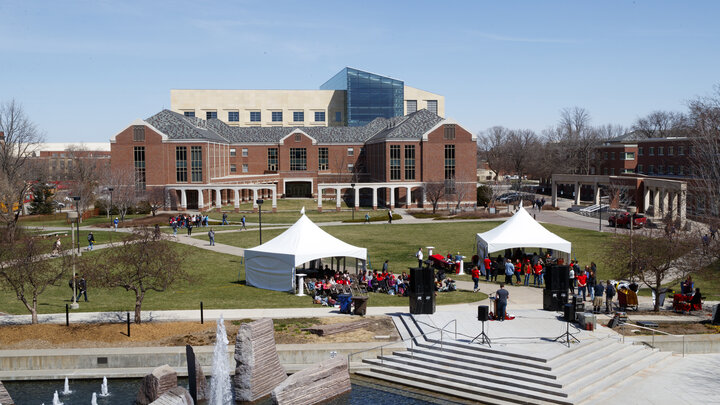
[
  {"x": 74, "y": 304},
  {"x": 260, "y": 203},
  {"x": 77, "y": 206},
  {"x": 599, "y": 211},
  {"x": 353, "y": 206},
  {"x": 110, "y": 189}
]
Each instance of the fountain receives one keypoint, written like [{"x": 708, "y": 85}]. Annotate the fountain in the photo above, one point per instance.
[
  {"x": 103, "y": 388},
  {"x": 94, "y": 400},
  {"x": 220, "y": 391},
  {"x": 67, "y": 391},
  {"x": 56, "y": 399}
]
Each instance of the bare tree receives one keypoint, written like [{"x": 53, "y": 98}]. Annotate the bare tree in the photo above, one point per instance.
[
  {"x": 575, "y": 141},
  {"x": 434, "y": 192},
  {"x": 25, "y": 272},
  {"x": 521, "y": 151},
  {"x": 651, "y": 259},
  {"x": 155, "y": 198},
  {"x": 659, "y": 124},
  {"x": 143, "y": 263},
  {"x": 123, "y": 183},
  {"x": 84, "y": 176},
  {"x": 492, "y": 146},
  {"x": 20, "y": 140},
  {"x": 705, "y": 156}
]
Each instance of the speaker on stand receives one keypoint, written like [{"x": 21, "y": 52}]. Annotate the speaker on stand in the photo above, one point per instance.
[
  {"x": 422, "y": 290},
  {"x": 483, "y": 316}
]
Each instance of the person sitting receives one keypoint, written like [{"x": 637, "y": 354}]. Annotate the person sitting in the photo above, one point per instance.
[
  {"x": 696, "y": 301},
  {"x": 686, "y": 286}
]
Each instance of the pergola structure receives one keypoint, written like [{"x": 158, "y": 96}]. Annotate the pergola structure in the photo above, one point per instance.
[{"x": 356, "y": 187}]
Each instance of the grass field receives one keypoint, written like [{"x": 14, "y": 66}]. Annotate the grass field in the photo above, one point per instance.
[{"x": 60, "y": 219}]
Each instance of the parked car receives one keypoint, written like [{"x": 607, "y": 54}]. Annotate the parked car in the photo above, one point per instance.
[{"x": 623, "y": 219}]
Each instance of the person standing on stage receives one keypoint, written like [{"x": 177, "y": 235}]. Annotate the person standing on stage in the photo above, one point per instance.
[{"x": 502, "y": 296}]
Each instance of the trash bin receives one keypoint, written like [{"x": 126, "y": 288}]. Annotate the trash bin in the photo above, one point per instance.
[
  {"x": 661, "y": 296},
  {"x": 344, "y": 300},
  {"x": 360, "y": 304}
]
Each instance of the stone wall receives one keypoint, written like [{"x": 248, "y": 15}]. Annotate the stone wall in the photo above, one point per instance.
[
  {"x": 160, "y": 381},
  {"x": 175, "y": 396},
  {"x": 314, "y": 384},
  {"x": 257, "y": 370}
]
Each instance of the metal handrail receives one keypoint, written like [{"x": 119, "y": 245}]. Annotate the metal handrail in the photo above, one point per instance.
[
  {"x": 653, "y": 335},
  {"x": 411, "y": 339}
]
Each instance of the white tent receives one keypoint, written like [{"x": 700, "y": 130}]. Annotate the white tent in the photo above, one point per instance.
[
  {"x": 520, "y": 231},
  {"x": 272, "y": 265}
]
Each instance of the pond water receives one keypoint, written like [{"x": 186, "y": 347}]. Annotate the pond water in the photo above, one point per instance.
[{"x": 123, "y": 392}]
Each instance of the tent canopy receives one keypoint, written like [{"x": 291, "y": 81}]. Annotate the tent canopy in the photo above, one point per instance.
[
  {"x": 520, "y": 231},
  {"x": 272, "y": 265}
]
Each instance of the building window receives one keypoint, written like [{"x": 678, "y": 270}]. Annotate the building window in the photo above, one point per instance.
[
  {"x": 139, "y": 159},
  {"x": 450, "y": 131},
  {"x": 196, "y": 164},
  {"x": 661, "y": 169},
  {"x": 592, "y": 169},
  {"x": 209, "y": 115},
  {"x": 350, "y": 167},
  {"x": 671, "y": 169},
  {"x": 298, "y": 159},
  {"x": 449, "y": 169},
  {"x": 681, "y": 150},
  {"x": 276, "y": 116},
  {"x": 612, "y": 171},
  {"x": 244, "y": 152},
  {"x": 661, "y": 151},
  {"x": 233, "y": 168},
  {"x": 298, "y": 116},
  {"x": 640, "y": 151},
  {"x": 351, "y": 152},
  {"x": 612, "y": 155},
  {"x": 181, "y": 164},
  {"x": 272, "y": 159},
  {"x": 245, "y": 168},
  {"x": 409, "y": 162},
  {"x": 139, "y": 133},
  {"x": 233, "y": 152},
  {"x": 627, "y": 156},
  {"x": 681, "y": 169},
  {"x": 640, "y": 168},
  {"x": 338, "y": 116},
  {"x": 233, "y": 116},
  {"x": 671, "y": 150},
  {"x": 298, "y": 137},
  {"x": 319, "y": 116},
  {"x": 651, "y": 169},
  {"x": 323, "y": 159},
  {"x": 254, "y": 116},
  {"x": 190, "y": 114},
  {"x": 394, "y": 162},
  {"x": 411, "y": 106},
  {"x": 432, "y": 106},
  {"x": 651, "y": 151},
  {"x": 605, "y": 156},
  {"x": 605, "y": 170}
]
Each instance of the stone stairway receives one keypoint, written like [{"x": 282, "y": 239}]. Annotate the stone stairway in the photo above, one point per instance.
[{"x": 500, "y": 376}]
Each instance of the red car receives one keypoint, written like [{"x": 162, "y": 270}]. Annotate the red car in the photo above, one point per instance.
[{"x": 624, "y": 220}]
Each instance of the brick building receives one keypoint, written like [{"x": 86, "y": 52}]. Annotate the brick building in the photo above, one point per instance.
[
  {"x": 58, "y": 159},
  {"x": 207, "y": 163}
]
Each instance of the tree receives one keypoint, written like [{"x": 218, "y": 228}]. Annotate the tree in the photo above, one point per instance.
[
  {"x": 705, "y": 156},
  {"x": 123, "y": 183},
  {"x": 660, "y": 124},
  {"x": 651, "y": 259},
  {"x": 434, "y": 192},
  {"x": 20, "y": 140},
  {"x": 155, "y": 198},
  {"x": 84, "y": 175},
  {"x": 492, "y": 145},
  {"x": 26, "y": 273},
  {"x": 577, "y": 139},
  {"x": 484, "y": 195},
  {"x": 42, "y": 202},
  {"x": 520, "y": 150},
  {"x": 141, "y": 264}
]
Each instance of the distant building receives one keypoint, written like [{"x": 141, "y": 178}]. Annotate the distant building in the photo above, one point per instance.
[
  {"x": 350, "y": 98},
  {"x": 56, "y": 160}
]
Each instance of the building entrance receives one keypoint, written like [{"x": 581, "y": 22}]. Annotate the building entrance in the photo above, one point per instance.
[{"x": 298, "y": 189}]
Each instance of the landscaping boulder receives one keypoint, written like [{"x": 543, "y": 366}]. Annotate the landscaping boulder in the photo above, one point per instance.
[
  {"x": 200, "y": 383},
  {"x": 160, "y": 381},
  {"x": 5, "y": 396},
  {"x": 314, "y": 384},
  {"x": 257, "y": 366},
  {"x": 175, "y": 396}
]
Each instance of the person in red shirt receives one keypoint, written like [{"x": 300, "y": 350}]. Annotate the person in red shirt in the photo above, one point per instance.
[
  {"x": 537, "y": 280},
  {"x": 518, "y": 271},
  {"x": 475, "y": 277},
  {"x": 582, "y": 284},
  {"x": 488, "y": 267},
  {"x": 527, "y": 269}
]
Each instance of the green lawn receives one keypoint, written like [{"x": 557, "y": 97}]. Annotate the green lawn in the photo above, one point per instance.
[
  {"x": 48, "y": 240},
  {"x": 289, "y": 217},
  {"x": 60, "y": 219}
]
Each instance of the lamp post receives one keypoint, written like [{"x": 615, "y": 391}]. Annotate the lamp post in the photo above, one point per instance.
[
  {"x": 74, "y": 304},
  {"x": 599, "y": 211},
  {"x": 260, "y": 203},
  {"x": 110, "y": 189},
  {"x": 77, "y": 207},
  {"x": 353, "y": 206}
]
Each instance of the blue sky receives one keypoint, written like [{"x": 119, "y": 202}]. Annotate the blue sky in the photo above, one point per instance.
[{"x": 84, "y": 70}]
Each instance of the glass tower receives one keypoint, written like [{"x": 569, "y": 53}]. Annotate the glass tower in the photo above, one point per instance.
[{"x": 368, "y": 95}]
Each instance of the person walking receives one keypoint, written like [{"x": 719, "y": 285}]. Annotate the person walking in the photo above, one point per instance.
[
  {"x": 419, "y": 256},
  {"x": 609, "y": 294},
  {"x": 488, "y": 267},
  {"x": 242, "y": 221},
  {"x": 189, "y": 228},
  {"x": 211, "y": 236},
  {"x": 175, "y": 227},
  {"x": 224, "y": 217},
  {"x": 367, "y": 218},
  {"x": 509, "y": 270},
  {"x": 115, "y": 223},
  {"x": 91, "y": 241},
  {"x": 502, "y": 296},
  {"x": 82, "y": 289},
  {"x": 475, "y": 272},
  {"x": 56, "y": 247},
  {"x": 390, "y": 217},
  {"x": 518, "y": 270}
]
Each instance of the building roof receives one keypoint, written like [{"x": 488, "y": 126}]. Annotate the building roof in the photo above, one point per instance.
[{"x": 178, "y": 127}]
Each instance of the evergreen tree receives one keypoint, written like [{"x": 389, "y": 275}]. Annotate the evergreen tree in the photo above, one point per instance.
[{"x": 42, "y": 199}]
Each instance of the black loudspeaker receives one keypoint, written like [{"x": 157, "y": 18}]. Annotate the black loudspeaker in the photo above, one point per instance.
[
  {"x": 422, "y": 280},
  {"x": 422, "y": 303},
  {"x": 716, "y": 315},
  {"x": 569, "y": 313},
  {"x": 557, "y": 278},
  {"x": 483, "y": 313},
  {"x": 554, "y": 300}
]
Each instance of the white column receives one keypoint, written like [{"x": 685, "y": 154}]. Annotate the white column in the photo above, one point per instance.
[
  {"x": 424, "y": 197},
  {"x": 319, "y": 197},
  {"x": 255, "y": 198},
  {"x": 183, "y": 199},
  {"x": 682, "y": 207},
  {"x": 236, "y": 200},
  {"x": 218, "y": 198},
  {"x": 274, "y": 197},
  {"x": 577, "y": 193},
  {"x": 337, "y": 197},
  {"x": 408, "y": 199},
  {"x": 392, "y": 197},
  {"x": 374, "y": 191},
  {"x": 656, "y": 202},
  {"x": 554, "y": 194},
  {"x": 596, "y": 190},
  {"x": 646, "y": 200},
  {"x": 664, "y": 203},
  {"x": 356, "y": 197},
  {"x": 201, "y": 199},
  {"x": 673, "y": 205}
]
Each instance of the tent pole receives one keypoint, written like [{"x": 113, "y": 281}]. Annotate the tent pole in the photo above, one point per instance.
[{"x": 344, "y": 267}]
